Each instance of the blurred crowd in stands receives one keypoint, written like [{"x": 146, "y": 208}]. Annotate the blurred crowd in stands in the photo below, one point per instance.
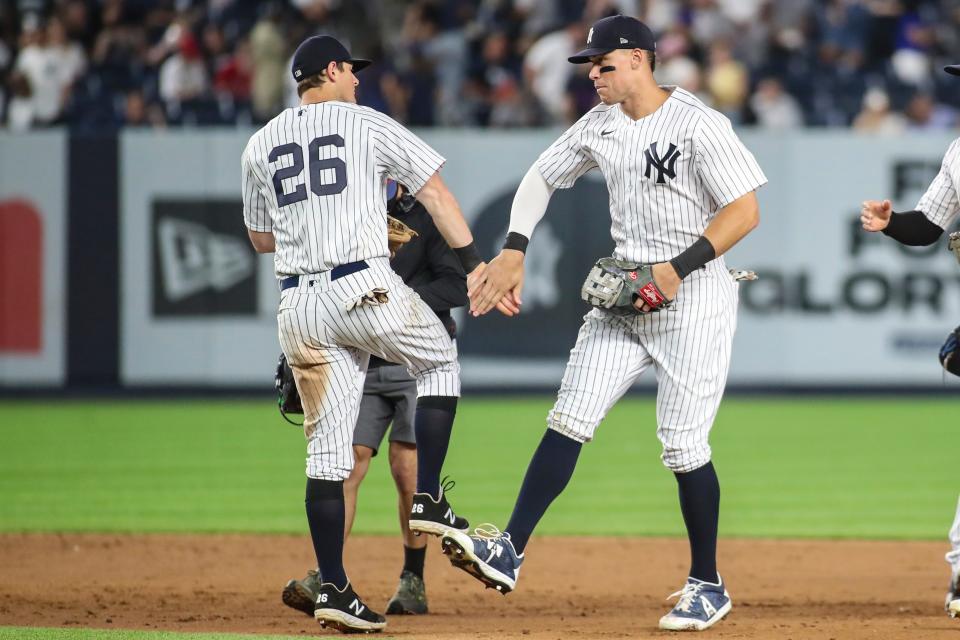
[{"x": 874, "y": 65}]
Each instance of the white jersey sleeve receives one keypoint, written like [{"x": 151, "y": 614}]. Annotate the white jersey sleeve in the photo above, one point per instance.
[
  {"x": 566, "y": 159},
  {"x": 727, "y": 168},
  {"x": 402, "y": 155},
  {"x": 256, "y": 210},
  {"x": 940, "y": 202}
]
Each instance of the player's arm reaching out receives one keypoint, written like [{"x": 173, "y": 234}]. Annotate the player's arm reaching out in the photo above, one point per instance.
[
  {"x": 500, "y": 283},
  {"x": 445, "y": 211},
  {"x": 503, "y": 277},
  {"x": 936, "y": 210},
  {"x": 411, "y": 162},
  {"x": 910, "y": 227}
]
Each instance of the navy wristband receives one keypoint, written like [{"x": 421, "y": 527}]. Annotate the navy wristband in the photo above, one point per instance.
[
  {"x": 912, "y": 228},
  {"x": 517, "y": 242},
  {"x": 694, "y": 257},
  {"x": 469, "y": 257}
]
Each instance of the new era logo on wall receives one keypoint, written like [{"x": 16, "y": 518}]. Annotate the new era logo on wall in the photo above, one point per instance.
[{"x": 203, "y": 264}]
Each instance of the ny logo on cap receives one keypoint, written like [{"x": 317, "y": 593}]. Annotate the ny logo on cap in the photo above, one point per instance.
[{"x": 590, "y": 36}]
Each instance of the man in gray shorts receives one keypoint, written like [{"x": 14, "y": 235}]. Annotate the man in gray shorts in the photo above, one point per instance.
[
  {"x": 433, "y": 271},
  {"x": 389, "y": 396}
]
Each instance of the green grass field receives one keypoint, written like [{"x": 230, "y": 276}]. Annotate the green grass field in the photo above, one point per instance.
[{"x": 816, "y": 467}]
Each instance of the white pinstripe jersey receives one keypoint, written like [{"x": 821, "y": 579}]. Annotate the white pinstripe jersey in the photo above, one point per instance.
[
  {"x": 316, "y": 177},
  {"x": 941, "y": 203},
  {"x": 667, "y": 173}
]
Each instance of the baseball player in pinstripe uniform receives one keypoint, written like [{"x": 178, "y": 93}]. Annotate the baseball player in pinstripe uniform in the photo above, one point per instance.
[
  {"x": 937, "y": 210},
  {"x": 681, "y": 188},
  {"x": 314, "y": 193},
  {"x": 431, "y": 269}
]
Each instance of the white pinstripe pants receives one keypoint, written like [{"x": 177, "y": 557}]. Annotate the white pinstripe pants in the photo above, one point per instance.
[
  {"x": 328, "y": 348},
  {"x": 953, "y": 556},
  {"x": 689, "y": 348}
]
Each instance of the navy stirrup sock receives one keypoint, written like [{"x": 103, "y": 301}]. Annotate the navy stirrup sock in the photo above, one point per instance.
[
  {"x": 700, "y": 504},
  {"x": 547, "y": 476},
  {"x": 433, "y": 425},
  {"x": 324, "y": 501}
]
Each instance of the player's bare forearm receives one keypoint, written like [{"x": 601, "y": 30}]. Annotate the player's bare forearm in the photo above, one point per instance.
[
  {"x": 733, "y": 223},
  {"x": 445, "y": 211},
  {"x": 262, "y": 241}
]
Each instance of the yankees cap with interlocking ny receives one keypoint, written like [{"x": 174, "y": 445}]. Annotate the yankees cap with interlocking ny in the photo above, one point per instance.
[
  {"x": 315, "y": 53},
  {"x": 615, "y": 32}
]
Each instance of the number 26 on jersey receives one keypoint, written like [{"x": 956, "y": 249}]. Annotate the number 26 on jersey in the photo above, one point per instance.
[{"x": 317, "y": 166}]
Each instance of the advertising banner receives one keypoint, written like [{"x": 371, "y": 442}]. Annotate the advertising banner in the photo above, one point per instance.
[
  {"x": 33, "y": 232},
  {"x": 834, "y": 306},
  {"x": 198, "y": 305}
]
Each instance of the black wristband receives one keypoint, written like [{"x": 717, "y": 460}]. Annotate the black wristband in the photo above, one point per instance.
[
  {"x": 517, "y": 242},
  {"x": 912, "y": 228},
  {"x": 469, "y": 257},
  {"x": 695, "y": 256}
]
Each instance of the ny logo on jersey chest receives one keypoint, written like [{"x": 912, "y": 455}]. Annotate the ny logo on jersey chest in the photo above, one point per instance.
[{"x": 664, "y": 164}]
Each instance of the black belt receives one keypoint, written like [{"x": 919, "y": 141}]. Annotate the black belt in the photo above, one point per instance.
[{"x": 337, "y": 272}]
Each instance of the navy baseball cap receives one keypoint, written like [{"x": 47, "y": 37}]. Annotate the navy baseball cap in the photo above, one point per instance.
[
  {"x": 952, "y": 69},
  {"x": 315, "y": 53},
  {"x": 615, "y": 32}
]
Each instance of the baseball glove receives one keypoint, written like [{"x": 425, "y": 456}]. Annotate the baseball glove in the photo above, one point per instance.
[
  {"x": 398, "y": 234},
  {"x": 949, "y": 357},
  {"x": 288, "y": 398},
  {"x": 614, "y": 285},
  {"x": 955, "y": 244}
]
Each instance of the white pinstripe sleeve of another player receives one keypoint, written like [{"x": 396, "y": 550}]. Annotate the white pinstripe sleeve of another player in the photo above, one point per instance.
[
  {"x": 566, "y": 159},
  {"x": 727, "y": 168},
  {"x": 402, "y": 155},
  {"x": 256, "y": 211},
  {"x": 940, "y": 203}
]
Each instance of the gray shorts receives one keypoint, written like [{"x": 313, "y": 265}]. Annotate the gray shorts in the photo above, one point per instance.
[{"x": 389, "y": 395}]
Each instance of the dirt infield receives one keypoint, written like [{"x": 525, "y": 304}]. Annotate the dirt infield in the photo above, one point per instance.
[{"x": 570, "y": 587}]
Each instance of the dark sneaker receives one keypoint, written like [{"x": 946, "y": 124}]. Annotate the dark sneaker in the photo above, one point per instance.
[
  {"x": 488, "y": 556},
  {"x": 411, "y": 596},
  {"x": 435, "y": 517},
  {"x": 701, "y": 605},
  {"x": 345, "y": 611},
  {"x": 302, "y": 594}
]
